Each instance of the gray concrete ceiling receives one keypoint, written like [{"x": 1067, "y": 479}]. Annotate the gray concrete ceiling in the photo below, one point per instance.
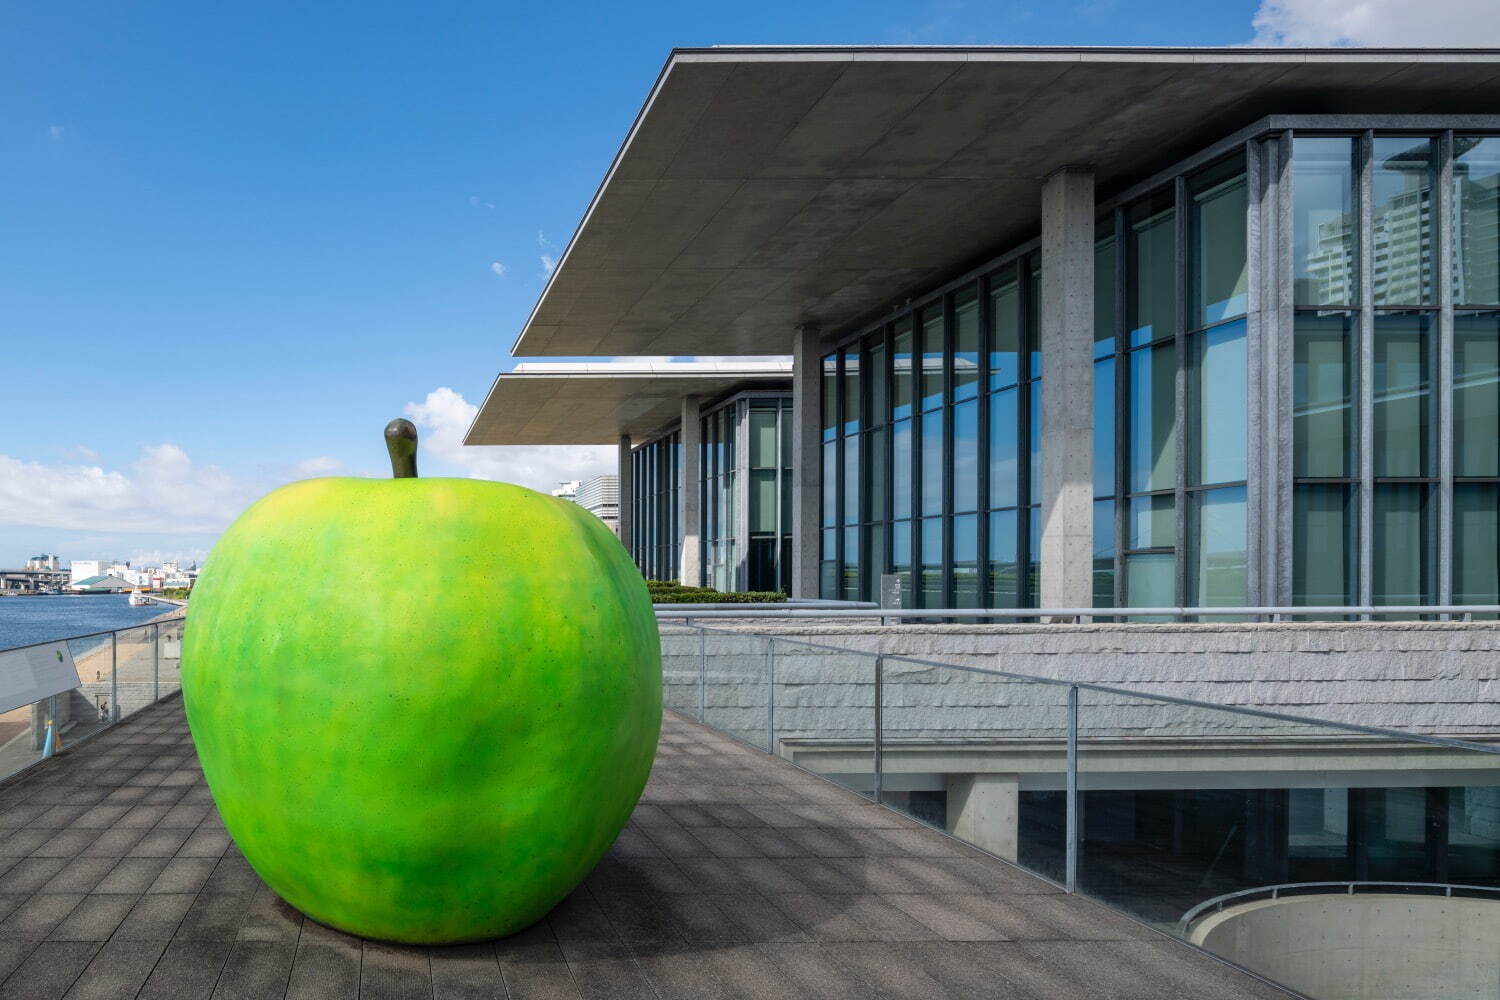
[
  {"x": 597, "y": 407},
  {"x": 764, "y": 188}
]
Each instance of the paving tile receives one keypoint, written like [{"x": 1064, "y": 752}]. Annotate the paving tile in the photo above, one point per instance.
[
  {"x": 532, "y": 966},
  {"x": 94, "y": 919},
  {"x": 49, "y": 970},
  {"x": 187, "y": 970},
  {"x": 131, "y": 875},
  {"x": 159, "y": 843},
  {"x": 466, "y": 972},
  {"x": 270, "y": 918},
  {"x": 65, "y": 843},
  {"x": 183, "y": 875},
  {"x": 256, "y": 970},
  {"x": 214, "y": 916},
  {"x": 389, "y": 972},
  {"x": 815, "y": 973},
  {"x": 155, "y": 917},
  {"x": 34, "y": 919},
  {"x": 326, "y": 965},
  {"x": 114, "y": 843}
]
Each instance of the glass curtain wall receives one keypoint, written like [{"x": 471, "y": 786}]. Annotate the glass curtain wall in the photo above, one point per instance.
[
  {"x": 716, "y": 498},
  {"x": 769, "y": 503},
  {"x": 656, "y": 535},
  {"x": 745, "y": 489}
]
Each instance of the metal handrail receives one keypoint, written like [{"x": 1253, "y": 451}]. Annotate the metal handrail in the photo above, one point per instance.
[
  {"x": 1080, "y": 615},
  {"x": 1218, "y": 903},
  {"x": 89, "y": 635}
]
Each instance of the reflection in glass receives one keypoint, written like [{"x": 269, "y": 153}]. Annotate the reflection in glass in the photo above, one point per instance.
[
  {"x": 827, "y": 565},
  {"x": 932, "y": 563},
  {"x": 1004, "y": 435},
  {"x": 1104, "y": 297},
  {"x": 1104, "y": 427},
  {"x": 1401, "y": 206},
  {"x": 1151, "y": 522},
  {"x": 1149, "y": 580},
  {"x": 1403, "y": 537},
  {"x": 1324, "y": 224},
  {"x": 1476, "y": 543},
  {"x": 874, "y": 484},
  {"x": 1153, "y": 418},
  {"x": 1220, "y": 563},
  {"x": 965, "y": 344},
  {"x": 901, "y": 376},
  {"x": 830, "y": 397},
  {"x": 1104, "y": 553},
  {"x": 763, "y": 504},
  {"x": 1405, "y": 422},
  {"x": 932, "y": 463},
  {"x": 851, "y": 391},
  {"x": 1219, "y": 404},
  {"x": 851, "y": 564},
  {"x": 1218, "y": 265},
  {"x": 1151, "y": 268},
  {"x": 1324, "y": 553},
  {"x": 1476, "y": 394},
  {"x": 762, "y": 438},
  {"x": 1476, "y": 222},
  {"x": 901, "y": 559},
  {"x": 1323, "y": 374},
  {"x": 966, "y": 561},
  {"x": 875, "y": 383},
  {"x": 1005, "y": 590},
  {"x": 933, "y": 346},
  {"x": 966, "y": 456},
  {"x": 830, "y": 487},
  {"x": 1005, "y": 332},
  {"x": 875, "y": 562},
  {"x": 851, "y": 480},
  {"x": 901, "y": 442},
  {"x": 1036, "y": 443}
]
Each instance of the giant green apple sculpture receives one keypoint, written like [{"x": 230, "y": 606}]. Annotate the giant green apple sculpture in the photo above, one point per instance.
[{"x": 425, "y": 707}]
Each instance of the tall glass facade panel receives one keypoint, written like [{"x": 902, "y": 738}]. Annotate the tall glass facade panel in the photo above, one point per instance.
[
  {"x": 1476, "y": 220},
  {"x": 656, "y": 537},
  {"x": 1402, "y": 182},
  {"x": 1325, "y": 223}
]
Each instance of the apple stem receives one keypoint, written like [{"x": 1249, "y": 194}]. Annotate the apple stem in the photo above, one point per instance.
[{"x": 401, "y": 442}]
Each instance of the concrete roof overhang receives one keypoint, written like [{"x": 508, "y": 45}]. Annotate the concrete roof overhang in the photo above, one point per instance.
[
  {"x": 760, "y": 189},
  {"x": 583, "y": 403}
]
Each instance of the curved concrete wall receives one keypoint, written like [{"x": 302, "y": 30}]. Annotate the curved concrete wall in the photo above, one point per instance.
[{"x": 1369, "y": 946}]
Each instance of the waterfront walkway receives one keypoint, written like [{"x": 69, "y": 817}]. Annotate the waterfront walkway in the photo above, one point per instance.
[{"x": 739, "y": 876}]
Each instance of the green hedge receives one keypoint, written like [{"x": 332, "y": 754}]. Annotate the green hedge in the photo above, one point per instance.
[{"x": 671, "y": 592}]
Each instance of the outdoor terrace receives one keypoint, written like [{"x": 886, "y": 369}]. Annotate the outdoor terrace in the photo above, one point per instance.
[{"x": 739, "y": 875}]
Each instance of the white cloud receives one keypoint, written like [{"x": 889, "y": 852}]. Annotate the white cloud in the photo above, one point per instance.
[
  {"x": 1397, "y": 23},
  {"x": 498, "y": 268},
  {"x": 312, "y": 468},
  {"x": 444, "y": 417},
  {"x": 55, "y": 132},
  {"x": 476, "y": 202},
  {"x": 549, "y": 264}
]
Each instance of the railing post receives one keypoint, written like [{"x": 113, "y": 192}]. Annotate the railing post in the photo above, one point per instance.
[
  {"x": 114, "y": 677},
  {"x": 771, "y": 695},
  {"x": 702, "y": 674},
  {"x": 156, "y": 663},
  {"x": 1072, "y": 796},
  {"x": 878, "y": 765}
]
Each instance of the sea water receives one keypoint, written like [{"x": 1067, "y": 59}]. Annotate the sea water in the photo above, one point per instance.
[{"x": 25, "y": 620}]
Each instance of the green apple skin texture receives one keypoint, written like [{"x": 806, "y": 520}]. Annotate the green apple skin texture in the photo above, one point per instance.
[{"x": 425, "y": 707}]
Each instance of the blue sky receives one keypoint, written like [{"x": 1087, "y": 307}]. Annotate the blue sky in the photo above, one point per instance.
[{"x": 237, "y": 239}]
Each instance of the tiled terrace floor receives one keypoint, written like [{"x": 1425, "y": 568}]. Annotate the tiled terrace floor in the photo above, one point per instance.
[{"x": 739, "y": 876}]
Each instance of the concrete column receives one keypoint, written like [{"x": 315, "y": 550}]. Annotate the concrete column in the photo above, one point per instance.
[
  {"x": 1067, "y": 340},
  {"x": 985, "y": 810},
  {"x": 807, "y": 427},
  {"x": 627, "y": 494},
  {"x": 690, "y": 563}
]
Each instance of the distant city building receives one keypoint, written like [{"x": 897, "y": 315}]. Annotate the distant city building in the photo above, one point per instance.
[
  {"x": 568, "y": 490},
  {"x": 83, "y": 569},
  {"x": 600, "y": 496},
  {"x": 44, "y": 561},
  {"x": 103, "y": 584}
]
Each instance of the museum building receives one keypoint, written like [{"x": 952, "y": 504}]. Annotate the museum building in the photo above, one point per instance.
[{"x": 1067, "y": 327}]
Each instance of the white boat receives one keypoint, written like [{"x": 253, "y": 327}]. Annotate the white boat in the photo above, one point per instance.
[{"x": 138, "y": 598}]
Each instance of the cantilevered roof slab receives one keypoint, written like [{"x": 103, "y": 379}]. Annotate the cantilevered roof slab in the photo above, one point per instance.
[
  {"x": 583, "y": 403},
  {"x": 763, "y": 188}
]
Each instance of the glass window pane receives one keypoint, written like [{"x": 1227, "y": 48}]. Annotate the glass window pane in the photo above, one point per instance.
[
  {"x": 851, "y": 564},
  {"x": 1401, "y": 208},
  {"x": 966, "y": 561},
  {"x": 1005, "y": 332},
  {"x": 933, "y": 595},
  {"x": 1032, "y": 329},
  {"x": 1219, "y": 404},
  {"x": 1324, "y": 551},
  {"x": 1035, "y": 431},
  {"x": 901, "y": 469},
  {"x": 1218, "y": 263},
  {"x": 875, "y": 561},
  {"x": 1476, "y": 223},
  {"x": 786, "y": 433},
  {"x": 762, "y": 438},
  {"x": 851, "y": 391},
  {"x": 901, "y": 378},
  {"x": 827, "y": 566},
  {"x": 1104, "y": 427},
  {"x": 1004, "y": 435},
  {"x": 1324, "y": 223},
  {"x": 1323, "y": 373},
  {"x": 1404, "y": 543},
  {"x": 1104, "y": 554},
  {"x": 932, "y": 463},
  {"x": 874, "y": 485},
  {"x": 901, "y": 559},
  {"x": 830, "y": 398},
  {"x": 1405, "y": 421},
  {"x": 1219, "y": 565},
  {"x": 1149, "y": 580},
  {"x": 1476, "y": 394},
  {"x": 1004, "y": 572},
  {"x": 830, "y": 483},
  {"x": 1151, "y": 266},
  {"x": 1476, "y": 543},
  {"x": 1104, "y": 297},
  {"x": 1153, "y": 418},
  {"x": 851, "y": 480},
  {"x": 875, "y": 387},
  {"x": 763, "y": 501},
  {"x": 1151, "y": 522},
  {"x": 965, "y": 344},
  {"x": 934, "y": 345},
  {"x": 966, "y": 456}
]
